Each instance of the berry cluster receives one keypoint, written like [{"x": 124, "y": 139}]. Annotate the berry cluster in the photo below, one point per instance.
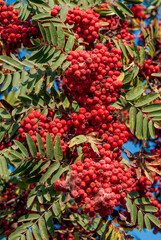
[
  {"x": 4, "y": 145},
  {"x": 92, "y": 76},
  {"x": 146, "y": 188},
  {"x": 138, "y": 11},
  {"x": 9, "y": 201},
  {"x": 149, "y": 68},
  {"x": 99, "y": 184},
  {"x": 86, "y": 24},
  {"x": 55, "y": 10},
  {"x": 42, "y": 124},
  {"x": 14, "y": 32}
]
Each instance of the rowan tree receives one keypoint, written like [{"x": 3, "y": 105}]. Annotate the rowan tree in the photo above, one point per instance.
[{"x": 76, "y": 85}]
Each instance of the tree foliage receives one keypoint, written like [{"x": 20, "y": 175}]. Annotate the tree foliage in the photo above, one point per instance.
[{"x": 52, "y": 126}]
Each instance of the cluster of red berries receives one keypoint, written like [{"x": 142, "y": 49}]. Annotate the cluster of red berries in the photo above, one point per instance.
[
  {"x": 67, "y": 236},
  {"x": 149, "y": 68},
  {"x": 55, "y": 10},
  {"x": 99, "y": 184},
  {"x": 86, "y": 24},
  {"x": 118, "y": 26},
  {"x": 4, "y": 145},
  {"x": 8, "y": 202},
  {"x": 138, "y": 11},
  {"x": 92, "y": 76},
  {"x": 149, "y": 189},
  {"x": 113, "y": 134},
  {"x": 42, "y": 124},
  {"x": 14, "y": 32}
]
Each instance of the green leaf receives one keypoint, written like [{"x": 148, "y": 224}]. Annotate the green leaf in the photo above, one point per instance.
[
  {"x": 156, "y": 74},
  {"x": 56, "y": 209},
  {"x": 140, "y": 220},
  {"x": 85, "y": 4},
  {"x": 6, "y": 83},
  {"x": 133, "y": 1},
  {"x": 16, "y": 154},
  {"x": 58, "y": 173},
  {"x": 40, "y": 145},
  {"x": 69, "y": 44},
  {"x": 53, "y": 34},
  {"x": 137, "y": 54},
  {"x": 148, "y": 208},
  {"x": 48, "y": 35},
  {"x": 151, "y": 129},
  {"x": 39, "y": 166},
  {"x": 59, "y": 62},
  {"x": 142, "y": 56},
  {"x": 134, "y": 93},
  {"x": 31, "y": 144},
  {"x": 49, "y": 172},
  {"x": 42, "y": 30},
  {"x": 1, "y": 77},
  {"x": 132, "y": 118},
  {"x": 148, "y": 174},
  {"x": 42, "y": 227},
  {"x": 29, "y": 235},
  {"x": 41, "y": 3},
  {"x": 4, "y": 115},
  {"x": 129, "y": 204},
  {"x": 156, "y": 119},
  {"x": 135, "y": 71},
  {"x": 147, "y": 223},
  {"x": 22, "y": 167},
  {"x": 145, "y": 129},
  {"x": 22, "y": 148},
  {"x": 142, "y": 201},
  {"x": 146, "y": 99},
  {"x": 124, "y": 8},
  {"x": 49, "y": 147},
  {"x": 28, "y": 217},
  {"x": 23, "y": 237},
  {"x": 46, "y": 193},
  {"x": 61, "y": 37},
  {"x": 41, "y": 16},
  {"x": 152, "y": 107},
  {"x": 75, "y": 107},
  {"x": 154, "y": 170},
  {"x": 94, "y": 148},
  {"x": 58, "y": 153},
  {"x": 11, "y": 62},
  {"x": 134, "y": 214},
  {"x": 50, "y": 223},
  {"x": 116, "y": 11},
  {"x": 133, "y": 194},
  {"x": 14, "y": 235},
  {"x": 77, "y": 140},
  {"x": 63, "y": 12},
  {"x": 16, "y": 80},
  {"x": 155, "y": 114},
  {"x": 3, "y": 167},
  {"x": 124, "y": 50},
  {"x": 139, "y": 125},
  {"x": 130, "y": 51},
  {"x": 36, "y": 232},
  {"x": 65, "y": 101},
  {"x": 154, "y": 219}
]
